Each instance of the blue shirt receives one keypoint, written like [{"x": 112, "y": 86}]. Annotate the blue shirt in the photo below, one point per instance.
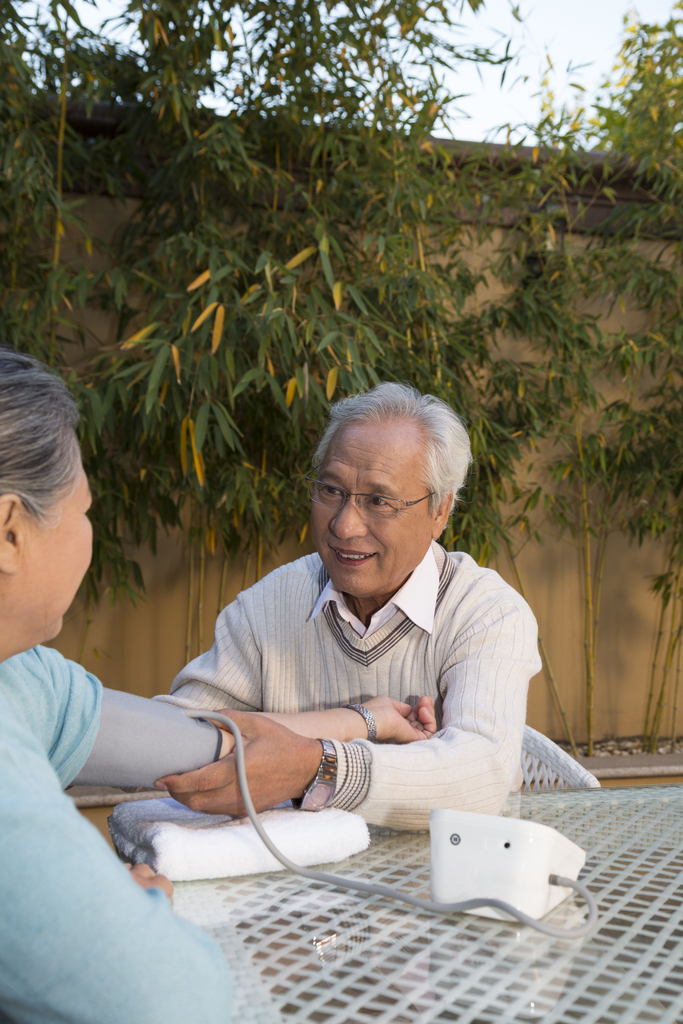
[{"x": 80, "y": 941}]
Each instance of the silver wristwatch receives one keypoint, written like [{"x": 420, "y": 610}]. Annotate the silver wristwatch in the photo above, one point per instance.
[
  {"x": 320, "y": 793},
  {"x": 369, "y": 719}
]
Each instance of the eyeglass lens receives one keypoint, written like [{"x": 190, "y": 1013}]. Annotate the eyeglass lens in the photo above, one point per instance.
[{"x": 374, "y": 505}]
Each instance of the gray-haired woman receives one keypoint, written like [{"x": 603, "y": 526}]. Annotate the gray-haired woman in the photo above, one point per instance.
[{"x": 79, "y": 941}]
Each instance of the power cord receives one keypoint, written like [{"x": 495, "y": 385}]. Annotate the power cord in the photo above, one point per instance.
[{"x": 395, "y": 894}]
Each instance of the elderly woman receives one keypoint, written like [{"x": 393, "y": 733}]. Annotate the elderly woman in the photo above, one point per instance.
[{"x": 79, "y": 940}]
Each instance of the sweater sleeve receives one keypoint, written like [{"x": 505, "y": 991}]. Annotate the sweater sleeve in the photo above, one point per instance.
[
  {"x": 229, "y": 674},
  {"x": 474, "y": 761}
]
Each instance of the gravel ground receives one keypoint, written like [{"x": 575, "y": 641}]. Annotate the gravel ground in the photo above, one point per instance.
[{"x": 623, "y": 747}]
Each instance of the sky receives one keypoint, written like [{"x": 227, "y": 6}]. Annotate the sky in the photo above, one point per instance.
[{"x": 581, "y": 38}]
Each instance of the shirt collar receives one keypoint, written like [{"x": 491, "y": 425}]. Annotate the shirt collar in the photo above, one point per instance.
[{"x": 416, "y": 598}]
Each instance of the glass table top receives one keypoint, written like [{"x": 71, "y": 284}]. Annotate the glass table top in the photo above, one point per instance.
[{"x": 302, "y": 951}]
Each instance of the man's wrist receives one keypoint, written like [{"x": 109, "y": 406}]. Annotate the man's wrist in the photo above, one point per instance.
[{"x": 319, "y": 793}]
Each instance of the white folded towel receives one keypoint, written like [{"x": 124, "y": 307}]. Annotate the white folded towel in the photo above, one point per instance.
[{"x": 186, "y": 845}]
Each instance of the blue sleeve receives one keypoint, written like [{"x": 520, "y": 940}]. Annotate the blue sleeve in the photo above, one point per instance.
[
  {"x": 58, "y": 701},
  {"x": 79, "y": 940}
]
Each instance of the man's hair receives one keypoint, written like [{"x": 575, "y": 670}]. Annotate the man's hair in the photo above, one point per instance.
[
  {"x": 446, "y": 440},
  {"x": 39, "y": 454}
]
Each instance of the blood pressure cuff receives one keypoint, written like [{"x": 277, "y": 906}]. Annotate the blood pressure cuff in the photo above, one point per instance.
[{"x": 140, "y": 741}]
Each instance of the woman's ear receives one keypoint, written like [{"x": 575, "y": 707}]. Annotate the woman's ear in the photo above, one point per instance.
[{"x": 14, "y": 526}]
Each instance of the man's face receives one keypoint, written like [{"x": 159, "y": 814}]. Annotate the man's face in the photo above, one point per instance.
[{"x": 385, "y": 459}]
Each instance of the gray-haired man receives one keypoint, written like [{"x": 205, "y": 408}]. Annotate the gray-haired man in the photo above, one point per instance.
[{"x": 380, "y": 609}]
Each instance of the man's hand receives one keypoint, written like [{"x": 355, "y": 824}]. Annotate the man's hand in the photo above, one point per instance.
[
  {"x": 280, "y": 765},
  {"x": 400, "y": 723},
  {"x": 145, "y": 877}
]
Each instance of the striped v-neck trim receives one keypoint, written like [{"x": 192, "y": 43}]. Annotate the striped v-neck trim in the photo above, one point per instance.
[{"x": 363, "y": 651}]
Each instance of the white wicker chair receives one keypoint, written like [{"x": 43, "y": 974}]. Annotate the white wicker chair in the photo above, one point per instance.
[{"x": 547, "y": 766}]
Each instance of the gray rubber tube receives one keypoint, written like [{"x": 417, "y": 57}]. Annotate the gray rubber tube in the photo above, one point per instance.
[
  {"x": 396, "y": 894},
  {"x": 140, "y": 741}
]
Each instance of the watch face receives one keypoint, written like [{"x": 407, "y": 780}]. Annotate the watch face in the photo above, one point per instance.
[{"x": 318, "y": 798}]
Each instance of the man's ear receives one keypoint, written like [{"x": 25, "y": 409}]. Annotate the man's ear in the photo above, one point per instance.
[
  {"x": 441, "y": 516},
  {"x": 14, "y": 527}
]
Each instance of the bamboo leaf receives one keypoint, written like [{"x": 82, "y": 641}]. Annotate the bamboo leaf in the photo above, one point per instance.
[
  {"x": 337, "y": 295},
  {"x": 300, "y": 257},
  {"x": 217, "y": 329},
  {"x": 199, "y": 281},
  {"x": 155, "y": 376},
  {"x": 176, "y": 361},
  {"x": 196, "y": 456},
  {"x": 183, "y": 445},
  {"x": 139, "y": 336},
  {"x": 201, "y": 426},
  {"x": 203, "y": 316},
  {"x": 331, "y": 384},
  {"x": 290, "y": 392}
]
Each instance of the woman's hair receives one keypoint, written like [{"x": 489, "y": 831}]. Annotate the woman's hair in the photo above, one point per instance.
[
  {"x": 446, "y": 441},
  {"x": 39, "y": 454}
]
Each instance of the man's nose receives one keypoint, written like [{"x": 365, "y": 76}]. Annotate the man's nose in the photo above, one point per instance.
[{"x": 348, "y": 522}]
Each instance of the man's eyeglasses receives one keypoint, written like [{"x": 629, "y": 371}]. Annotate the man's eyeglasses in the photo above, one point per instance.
[{"x": 377, "y": 506}]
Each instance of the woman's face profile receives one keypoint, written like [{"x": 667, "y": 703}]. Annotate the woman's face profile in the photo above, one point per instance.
[{"x": 56, "y": 557}]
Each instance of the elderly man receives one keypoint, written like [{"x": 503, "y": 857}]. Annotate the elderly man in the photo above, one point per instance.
[{"x": 381, "y": 608}]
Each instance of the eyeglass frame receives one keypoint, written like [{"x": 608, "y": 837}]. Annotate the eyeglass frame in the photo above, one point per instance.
[{"x": 364, "y": 494}]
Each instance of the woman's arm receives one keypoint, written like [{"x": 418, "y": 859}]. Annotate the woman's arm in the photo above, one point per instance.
[
  {"x": 140, "y": 741},
  {"x": 396, "y": 722}
]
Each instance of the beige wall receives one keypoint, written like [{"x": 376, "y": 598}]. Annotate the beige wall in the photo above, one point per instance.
[{"x": 140, "y": 649}]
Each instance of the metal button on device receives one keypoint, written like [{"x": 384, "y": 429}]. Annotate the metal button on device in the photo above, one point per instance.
[{"x": 455, "y": 839}]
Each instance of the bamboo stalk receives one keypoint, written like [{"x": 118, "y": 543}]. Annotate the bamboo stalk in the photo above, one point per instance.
[
  {"x": 86, "y": 630},
  {"x": 190, "y": 604},
  {"x": 200, "y": 595},
  {"x": 674, "y": 713},
  {"x": 221, "y": 585},
  {"x": 550, "y": 675},
  {"x": 602, "y": 553},
  {"x": 61, "y": 134},
  {"x": 673, "y": 632},
  {"x": 259, "y": 559},
  {"x": 247, "y": 566},
  {"x": 588, "y": 641},
  {"x": 653, "y": 673}
]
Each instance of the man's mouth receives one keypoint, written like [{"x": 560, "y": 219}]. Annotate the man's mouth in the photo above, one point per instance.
[{"x": 352, "y": 557}]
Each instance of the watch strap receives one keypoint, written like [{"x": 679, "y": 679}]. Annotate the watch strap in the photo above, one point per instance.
[{"x": 320, "y": 793}]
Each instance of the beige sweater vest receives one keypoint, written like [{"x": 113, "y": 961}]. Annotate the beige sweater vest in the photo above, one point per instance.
[{"x": 476, "y": 664}]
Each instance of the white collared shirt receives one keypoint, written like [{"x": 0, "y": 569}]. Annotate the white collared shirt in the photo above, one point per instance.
[{"x": 416, "y": 599}]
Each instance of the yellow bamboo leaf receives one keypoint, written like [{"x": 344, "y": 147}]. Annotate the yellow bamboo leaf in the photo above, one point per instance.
[
  {"x": 655, "y": 114},
  {"x": 302, "y": 535},
  {"x": 176, "y": 361},
  {"x": 88, "y": 246},
  {"x": 337, "y": 295},
  {"x": 534, "y": 155},
  {"x": 164, "y": 390},
  {"x": 217, "y": 329},
  {"x": 203, "y": 316},
  {"x": 324, "y": 244},
  {"x": 300, "y": 257},
  {"x": 183, "y": 446},
  {"x": 197, "y": 456},
  {"x": 199, "y": 281},
  {"x": 271, "y": 368},
  {"x": 291, "y": 391},
  {"x": 211, "y": 541},
  {"x": 250, "y": 291},
  {"x": 138, "y": 336},
  {"x": 331, "y": 382}
]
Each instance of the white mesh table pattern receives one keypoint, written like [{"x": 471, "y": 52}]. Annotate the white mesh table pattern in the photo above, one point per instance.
[{"x": 301, "y": 951}]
